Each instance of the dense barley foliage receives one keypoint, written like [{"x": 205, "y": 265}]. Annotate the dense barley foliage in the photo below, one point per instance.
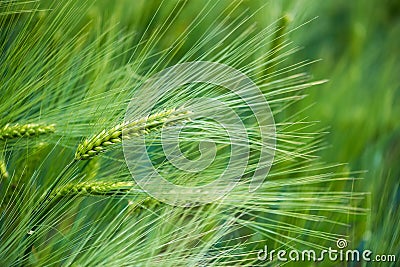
[{"x": 70, "y": 69}]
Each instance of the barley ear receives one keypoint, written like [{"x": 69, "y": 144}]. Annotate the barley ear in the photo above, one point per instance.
[
  {"x": 95, "y": 188},
  {"x": 101, "y": 142},
  {"x": 25, "y": 130}
]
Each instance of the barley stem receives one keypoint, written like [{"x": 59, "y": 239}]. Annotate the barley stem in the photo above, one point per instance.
[{"x": 276, "y": 44}]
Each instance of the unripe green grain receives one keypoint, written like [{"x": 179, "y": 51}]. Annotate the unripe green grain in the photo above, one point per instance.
[
  {"x": 95, "y": 188},
  {"x": 91, "y": 147},
  {"x": 25, "y": 130}
]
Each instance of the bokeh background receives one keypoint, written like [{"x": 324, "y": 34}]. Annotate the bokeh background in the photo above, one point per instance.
[{"x": 359, "y": 44}]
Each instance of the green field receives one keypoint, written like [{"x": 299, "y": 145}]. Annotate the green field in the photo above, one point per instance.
[{"x": 72, "y": 75}]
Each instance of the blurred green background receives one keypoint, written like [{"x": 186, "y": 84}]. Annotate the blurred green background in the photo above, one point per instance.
[{"x": 359, "y": 44}]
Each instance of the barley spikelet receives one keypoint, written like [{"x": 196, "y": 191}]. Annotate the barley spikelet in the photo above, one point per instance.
[
  {"x": 25, "y": 130},
  {"x": 153, "y": 123},
  {"x": 97, "y": 188}
]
